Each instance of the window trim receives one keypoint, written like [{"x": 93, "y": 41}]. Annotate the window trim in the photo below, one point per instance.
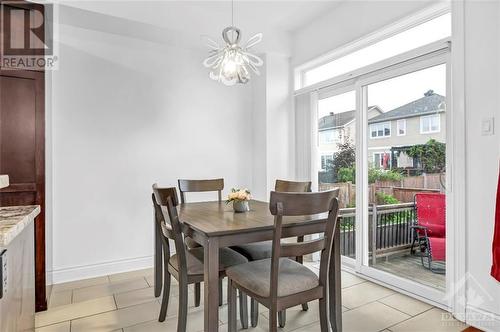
[
  {"x": 388, "y": 31},
  {"x": 398, "y": 127},
  {"x": 381, "y": 124},
  {"x": 438, "y": 115}
]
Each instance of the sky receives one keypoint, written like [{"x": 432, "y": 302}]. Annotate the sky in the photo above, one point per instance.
[{"x": 392, "y": 93}]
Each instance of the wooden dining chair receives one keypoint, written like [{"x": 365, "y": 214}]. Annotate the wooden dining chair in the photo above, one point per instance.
[
  {"x": 262, "y": 250},
  {"x": 191, "y": 186},
  {"x": 279, "y": 282},
  {"x": 185, "y": 265}
]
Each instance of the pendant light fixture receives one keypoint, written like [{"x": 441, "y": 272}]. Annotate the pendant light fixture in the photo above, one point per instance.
[{"x": 231, "y": 63}]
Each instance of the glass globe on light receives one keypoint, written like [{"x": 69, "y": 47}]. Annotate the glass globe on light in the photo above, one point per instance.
[{"x": 230, "y": 63}]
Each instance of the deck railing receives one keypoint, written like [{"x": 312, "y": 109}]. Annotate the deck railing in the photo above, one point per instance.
[{"x": 391, "y": 230}]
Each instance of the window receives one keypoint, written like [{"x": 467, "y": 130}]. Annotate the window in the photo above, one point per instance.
[
  {"x": 329, "y": 136},
  {"x": 382, "y": 160},
  {"x": 401, "y": 124},
  {"x": 430, "y": 124},
  {"x": 379, "y": 130},
  {"x": 391, "y": 44},
  {"x": 325, "y": 159}
]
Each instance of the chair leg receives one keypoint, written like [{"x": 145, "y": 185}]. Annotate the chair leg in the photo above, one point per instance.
[
  {"x": 220, "y": 292},
  {"x": 254, "y": 312},
  {"x": 323, "y": 314},
  {"x": 197, "y": 294},
  {"x": 282, "y": 318},
  {"x": 243, "y": 310},
  {"x": 183, "y": 306},
  {"x": 272, "y": 321},
  {"x": 231, "y": 302},
  {"x": 165, "y": 297}
]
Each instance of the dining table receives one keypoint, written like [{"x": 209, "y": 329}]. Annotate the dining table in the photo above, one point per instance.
[{"x": 215, "y": 225}]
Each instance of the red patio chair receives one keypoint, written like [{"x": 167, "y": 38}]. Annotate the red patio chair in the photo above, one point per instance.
[{"x": 430, "y": 228}]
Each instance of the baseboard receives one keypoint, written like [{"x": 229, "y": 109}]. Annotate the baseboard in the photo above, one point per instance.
[
  {"x": 101, "y": 269},
  {"x": 482, "y": 319}
]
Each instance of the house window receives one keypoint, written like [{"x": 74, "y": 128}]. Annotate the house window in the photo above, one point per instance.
[
  {"x": 382, "y": 160},
  {"x": 328, "y": 136},
  {"x": 401, "y": 124},
  {"x": 325, "y": 160},
  {"x": 385, "y": 45},
  {"x": 378, "y": 130},
  {"x": 430, "y": 124}
]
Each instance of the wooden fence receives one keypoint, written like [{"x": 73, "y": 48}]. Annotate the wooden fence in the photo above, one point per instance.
[{"x": 404, "y": 190}]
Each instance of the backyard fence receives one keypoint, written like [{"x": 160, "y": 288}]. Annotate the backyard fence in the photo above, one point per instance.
[{"x": 404, "y": 190}]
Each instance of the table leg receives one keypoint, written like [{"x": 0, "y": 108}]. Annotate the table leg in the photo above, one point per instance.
[
  {"x": 334, "y": 284},
  {"x": 211, "y": 284}
]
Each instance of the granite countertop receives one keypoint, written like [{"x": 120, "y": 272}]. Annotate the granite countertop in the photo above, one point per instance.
[
  {"x": 4, "y": 181},
  {"x": 13, "y": 219}
]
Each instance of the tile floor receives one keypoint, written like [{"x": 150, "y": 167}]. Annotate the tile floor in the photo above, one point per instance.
[{"x": 125, "y": 302}]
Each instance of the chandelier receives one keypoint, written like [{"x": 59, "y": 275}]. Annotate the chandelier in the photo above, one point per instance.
[{"x": 231, "y": 63}]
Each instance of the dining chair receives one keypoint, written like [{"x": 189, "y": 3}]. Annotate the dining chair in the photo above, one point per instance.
[
  {"x": 262, "y": 250},
  {"x": 186, "y": 265},
  {"x": 279, "y": 282},
  {"x": 191, "y": 186}
]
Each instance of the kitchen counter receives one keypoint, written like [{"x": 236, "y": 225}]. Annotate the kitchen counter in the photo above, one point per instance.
[
  {"x": 4, "y": 181},
  {"x": 17, "y": 267},
  {"x": 14, "y": 219}
]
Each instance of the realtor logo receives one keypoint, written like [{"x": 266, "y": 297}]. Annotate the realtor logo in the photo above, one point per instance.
[{"x": 27, "y": 36}]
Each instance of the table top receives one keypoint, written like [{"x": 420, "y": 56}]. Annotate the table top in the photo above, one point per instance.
[{"x": 218, "y": 218}]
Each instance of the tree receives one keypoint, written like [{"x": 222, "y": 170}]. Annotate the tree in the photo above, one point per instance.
[
  {"x": 432, "y": 155},
  {"x": 344, "y": 158}
]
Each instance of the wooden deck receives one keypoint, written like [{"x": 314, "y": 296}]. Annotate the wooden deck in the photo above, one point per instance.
[{"x": 410, "y": 267}]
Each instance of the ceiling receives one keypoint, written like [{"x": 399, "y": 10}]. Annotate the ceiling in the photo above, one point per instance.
[{"x": 195, "y": 18}]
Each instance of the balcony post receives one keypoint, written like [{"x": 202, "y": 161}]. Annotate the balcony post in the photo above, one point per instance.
[{"x": 374, "y": 234}]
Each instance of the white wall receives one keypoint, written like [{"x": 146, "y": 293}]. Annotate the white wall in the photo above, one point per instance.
[
  {"x": 272, "y": 135},
  {"x": 128, "y": 112},
  {"x": 482, "y": 100}
]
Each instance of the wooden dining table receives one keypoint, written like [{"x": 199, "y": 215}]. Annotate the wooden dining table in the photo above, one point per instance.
[{"x": 215, "y": 225}]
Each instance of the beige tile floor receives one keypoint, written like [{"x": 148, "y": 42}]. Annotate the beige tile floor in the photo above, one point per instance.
[{"x": 125, "y": 302}]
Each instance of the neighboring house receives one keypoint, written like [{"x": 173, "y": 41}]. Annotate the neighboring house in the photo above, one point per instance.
[
  {"x": 337, "y": 128},
  {"x": 392, "y": 132}
]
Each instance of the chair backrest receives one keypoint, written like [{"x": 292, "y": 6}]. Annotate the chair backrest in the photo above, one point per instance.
[
  {"x": 303, "y": 204},
  {"x": 292, "y": 186},
  {"x": 431, "y": 213},
  {"x": 186, "y": 186},
  {"x": 164, "y": 203}
]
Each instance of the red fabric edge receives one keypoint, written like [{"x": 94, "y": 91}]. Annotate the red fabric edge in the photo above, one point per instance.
[{"x": 495, "y": 268}]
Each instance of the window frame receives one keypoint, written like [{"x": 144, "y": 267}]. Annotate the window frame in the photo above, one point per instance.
[
  {"x": 324, "y": 155},
  {"x": 388, "y": 31},
  {"x": 398, "y": 127},
  {"x": 430, "y": 116},
  {"x": 383, "y": 129}
]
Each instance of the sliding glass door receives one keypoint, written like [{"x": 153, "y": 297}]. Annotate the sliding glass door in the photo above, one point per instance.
[
  {"x": 405, "y": 175},
  {"x": 334, "y": 157},
  {"x": 381, "y": 140}
]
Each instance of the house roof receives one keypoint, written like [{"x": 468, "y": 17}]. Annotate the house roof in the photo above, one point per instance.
[
  {"x": 337, "y": 120},
  {"x": 429, "y": 104}
]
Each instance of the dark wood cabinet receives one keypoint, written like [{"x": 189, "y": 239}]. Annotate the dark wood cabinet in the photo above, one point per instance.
[{"x": 22, "y": 151}]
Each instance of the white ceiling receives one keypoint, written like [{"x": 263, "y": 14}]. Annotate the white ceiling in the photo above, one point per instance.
[
  {"x": 280, "y": 14},
  {"x": 195, "y": 18}
]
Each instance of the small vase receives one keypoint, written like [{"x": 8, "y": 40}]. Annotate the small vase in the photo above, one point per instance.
[{"x": 241, "y": 206}]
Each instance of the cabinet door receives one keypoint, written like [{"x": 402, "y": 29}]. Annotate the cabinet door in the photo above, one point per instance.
[{"x": 22, "y": 154}]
